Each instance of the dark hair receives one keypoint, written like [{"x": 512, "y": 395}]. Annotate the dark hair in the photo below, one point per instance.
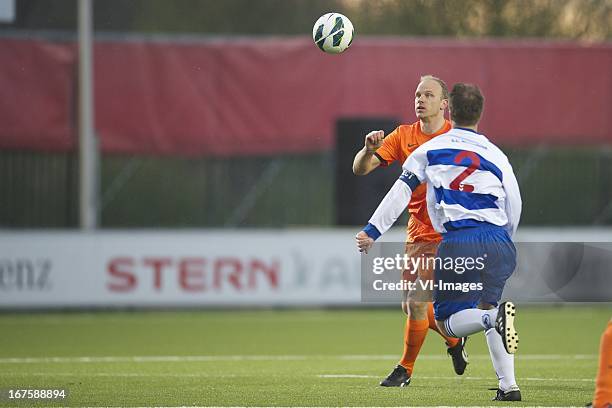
[
  {"x": 466, "y": 103},
  {"x": 440, "y": 82}
]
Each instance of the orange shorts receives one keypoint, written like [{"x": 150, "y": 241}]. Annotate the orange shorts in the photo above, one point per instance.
[{"x": 420, "y": 268}]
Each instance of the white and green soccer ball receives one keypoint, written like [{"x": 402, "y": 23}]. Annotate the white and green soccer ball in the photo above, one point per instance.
[{"x": 333, "y": 33}]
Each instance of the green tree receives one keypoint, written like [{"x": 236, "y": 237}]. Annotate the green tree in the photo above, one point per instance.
[{"x": 569, "y": 19}]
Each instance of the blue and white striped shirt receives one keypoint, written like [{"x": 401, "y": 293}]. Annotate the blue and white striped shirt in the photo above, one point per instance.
[{"x": 469, "y": 182}]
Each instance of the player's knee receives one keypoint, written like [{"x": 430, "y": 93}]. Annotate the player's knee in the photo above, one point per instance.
[
  {"x": 608, "y": 332},
  {"x": 405, "y": 308},
  {"x": 417, "y": 310},
  {"x": 441, "y": 328}
]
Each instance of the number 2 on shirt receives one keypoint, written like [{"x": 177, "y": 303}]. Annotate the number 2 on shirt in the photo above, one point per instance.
[{"x": 474, "y": 163}]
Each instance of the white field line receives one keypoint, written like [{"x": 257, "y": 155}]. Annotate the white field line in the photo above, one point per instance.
[
  {"x": 116, "y": 374},
  {"x": 521, "y": 379},
  {"x": 347, "y": 357},
  {"x": 202, "y": 375}
]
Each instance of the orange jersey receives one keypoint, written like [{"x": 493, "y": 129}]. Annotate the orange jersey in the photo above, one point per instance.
[{"x": 398, "y": 145}]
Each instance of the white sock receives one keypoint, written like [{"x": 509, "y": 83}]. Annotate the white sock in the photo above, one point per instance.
[
  {"x": 470, "y": 321},
  {"x": 503, "y": 363}
]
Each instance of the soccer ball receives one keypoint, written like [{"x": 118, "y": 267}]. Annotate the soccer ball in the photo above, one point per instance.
[{"x": 333, "y": 33}]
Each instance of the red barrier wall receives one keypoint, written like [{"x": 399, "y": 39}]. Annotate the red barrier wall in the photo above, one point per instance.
[
  {"x": 283, "y": 95},
  {"x": 36, "y": 95}
]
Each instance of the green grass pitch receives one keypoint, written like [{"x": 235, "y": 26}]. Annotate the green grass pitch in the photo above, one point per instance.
[{"x": 285, "y": 358}]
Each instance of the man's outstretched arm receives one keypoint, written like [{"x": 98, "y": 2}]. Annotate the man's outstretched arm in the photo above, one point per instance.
[{"x": 388, "y": 211}]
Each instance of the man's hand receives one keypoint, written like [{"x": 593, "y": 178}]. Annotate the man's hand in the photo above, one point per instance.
[
  {"x": 364, "y": 242},
  {"x": 365, "y": 161},
  {"x": 374, "y": 140}
]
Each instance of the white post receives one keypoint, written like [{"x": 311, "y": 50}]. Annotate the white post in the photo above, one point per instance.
[{"x": 88, "y": 150}]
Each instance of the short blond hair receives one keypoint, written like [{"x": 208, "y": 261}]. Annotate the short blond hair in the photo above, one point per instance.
[{"x": 439, "y": 81}]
